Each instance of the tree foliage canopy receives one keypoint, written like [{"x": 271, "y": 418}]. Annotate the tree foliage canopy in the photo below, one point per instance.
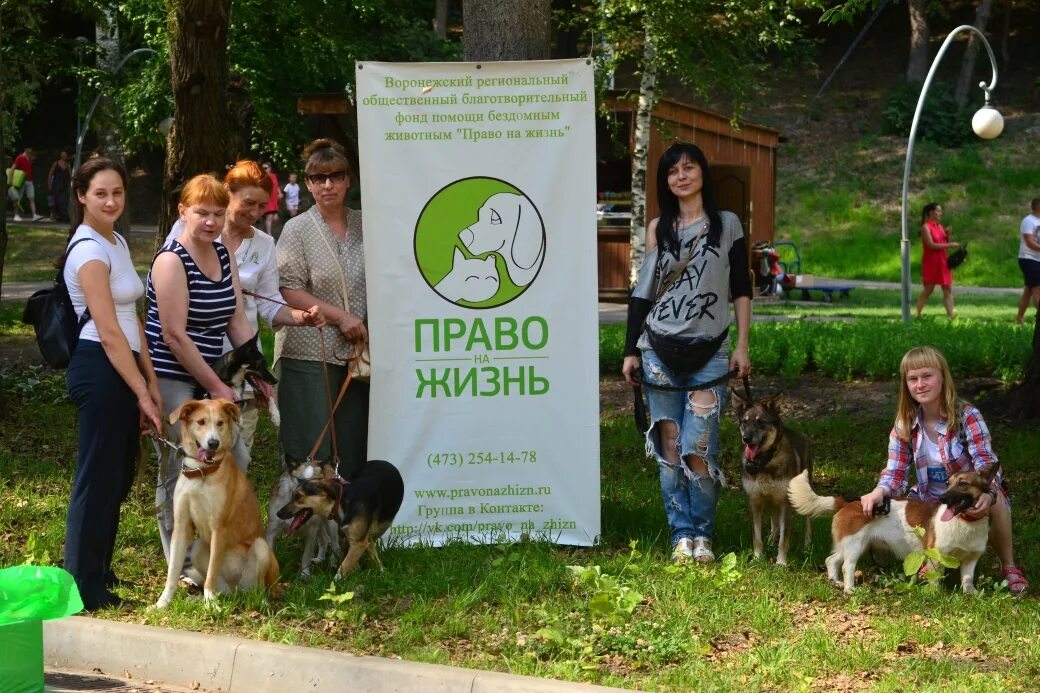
[
  {"x": 717, "y": 49},
  {"x": 277, "y": 51}
]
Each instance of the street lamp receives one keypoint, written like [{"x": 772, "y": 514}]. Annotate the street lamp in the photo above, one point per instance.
[
  {"x": 86, "y": 121},
  {"x": 987, "y": 124}
]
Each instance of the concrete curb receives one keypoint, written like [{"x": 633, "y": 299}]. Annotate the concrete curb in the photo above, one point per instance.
[{"x": 235, "y": 665}]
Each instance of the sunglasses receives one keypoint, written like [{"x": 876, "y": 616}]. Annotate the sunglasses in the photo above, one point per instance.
[{"x": 322, "y": 178}]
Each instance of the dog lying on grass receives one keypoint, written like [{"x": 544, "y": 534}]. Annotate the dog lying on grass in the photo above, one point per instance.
[{"x": 214, "y": 499}]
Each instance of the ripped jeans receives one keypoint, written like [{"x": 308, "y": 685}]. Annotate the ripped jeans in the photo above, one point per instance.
[{"x": 689, "y": 498}]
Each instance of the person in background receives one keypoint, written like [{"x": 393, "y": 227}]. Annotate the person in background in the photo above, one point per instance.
[
  {"x": 292, "y": 196},
  {"x": 934, "y": 271},
  {"x": 110, "y": 378},
  {"x": 321, "y": 260},
  {"x": 939, "y": 435},
  {"x": 271, "y": 210},
  {"x": 23, "y": 162},
  {"x": 58, "y": 179},
  {"x": 1029, "y": 259}
]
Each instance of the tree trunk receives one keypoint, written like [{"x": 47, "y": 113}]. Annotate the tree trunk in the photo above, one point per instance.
[
  {"x": 3, "y": 165},
  {"x": 917, "y": 68},
  {"x": 203, "y": 138},
  {"x": 1005, "y": 33},
  {"x": 106, "y": 33},
  {"x": 440, "y": 19},
  {"x": 1026, "y": 396},
  {"x": 640, "y": 151},
  {"x": 971, "y": 53},
  {"x": 506, "y": 30}
]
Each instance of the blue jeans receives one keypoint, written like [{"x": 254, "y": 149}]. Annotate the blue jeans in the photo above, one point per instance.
[{"x": 689, "y": 498}]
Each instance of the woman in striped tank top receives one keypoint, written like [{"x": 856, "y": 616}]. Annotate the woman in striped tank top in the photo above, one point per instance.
[{"x": 194, "y": 300}]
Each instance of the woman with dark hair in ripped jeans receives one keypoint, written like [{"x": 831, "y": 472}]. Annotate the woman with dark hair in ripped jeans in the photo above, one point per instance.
[{"x": 695, "y": 265}]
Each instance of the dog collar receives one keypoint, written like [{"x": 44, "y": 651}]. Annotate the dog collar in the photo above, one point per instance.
[{"x": 196, "y": 472}]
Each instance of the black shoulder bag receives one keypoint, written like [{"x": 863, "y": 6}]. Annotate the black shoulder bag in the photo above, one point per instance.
[{"x": 54, "y": 320}]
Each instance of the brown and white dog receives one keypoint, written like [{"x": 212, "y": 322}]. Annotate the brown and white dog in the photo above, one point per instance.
[
  {"x": 214, "y": 499},
  {"x": 773, "y": 455},
  {"x": 945, "y": 528}
]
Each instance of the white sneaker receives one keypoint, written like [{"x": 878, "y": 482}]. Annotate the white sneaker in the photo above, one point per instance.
[
  {"x": 683, "y": 550},
  {"x": 18, "y": 218},
  {"x": 37, "y": 217}
]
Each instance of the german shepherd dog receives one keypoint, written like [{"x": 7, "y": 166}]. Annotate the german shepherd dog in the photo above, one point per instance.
[
  {"x": 245, "y": 363},
  {"x": 320, "y": 535},
  {"x": 944, "y": 526},
  {"x": 773, "y": 455},
  {"x": 214, "y": 498},
  {"x": 364, "y": 507}
]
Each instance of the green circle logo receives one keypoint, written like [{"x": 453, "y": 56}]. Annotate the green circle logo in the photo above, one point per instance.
[{"x": 479, "y": 242}]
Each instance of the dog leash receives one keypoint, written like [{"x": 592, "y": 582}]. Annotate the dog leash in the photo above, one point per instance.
[{"x": 349, "y": 356}]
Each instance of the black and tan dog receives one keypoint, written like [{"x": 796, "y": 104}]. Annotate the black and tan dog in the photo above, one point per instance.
[
  {"x": 944, "y": 526},
  {"x": 773, "y": 455},
  {"x": 246, "y": 363},
  {"x": 320, "y": 535},
  {"x": 364, "y": 507}
]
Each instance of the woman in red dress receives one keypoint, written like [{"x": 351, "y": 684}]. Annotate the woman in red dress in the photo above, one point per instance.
[{"x": 935, "y": 240}]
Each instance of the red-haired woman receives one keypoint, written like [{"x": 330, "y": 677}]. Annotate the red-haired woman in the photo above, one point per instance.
[{"x": 194, "y": 300}]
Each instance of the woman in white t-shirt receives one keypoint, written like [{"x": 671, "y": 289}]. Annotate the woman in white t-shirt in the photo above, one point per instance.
[{"x": 110, "y": 378}]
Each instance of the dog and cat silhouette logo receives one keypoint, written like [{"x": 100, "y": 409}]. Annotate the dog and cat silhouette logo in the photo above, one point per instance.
[{"x": 479, "y": 242}]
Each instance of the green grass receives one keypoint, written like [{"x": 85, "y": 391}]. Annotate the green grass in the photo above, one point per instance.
[
  {"x": 844, "y": 210},
  {"x": 518, "y": 608},
  {"x": 32, "y": 250}
]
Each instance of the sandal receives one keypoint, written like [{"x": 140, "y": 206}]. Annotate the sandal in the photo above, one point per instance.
[
  {"x": 683, "y": 550},
  {"x": 1016, "y": 581},
  {"x": 702, "y": 550}
]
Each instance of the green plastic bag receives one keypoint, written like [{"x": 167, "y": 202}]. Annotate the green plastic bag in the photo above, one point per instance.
[
  {"x": 37, "y": 593},
  {"x": 30, "y": 595}
]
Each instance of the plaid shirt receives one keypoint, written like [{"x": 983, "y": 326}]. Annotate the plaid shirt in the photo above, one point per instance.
[{"x": 958, "y": 452}]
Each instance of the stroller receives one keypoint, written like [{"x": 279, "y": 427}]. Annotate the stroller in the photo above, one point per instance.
[{"x": 769, "y": 273}]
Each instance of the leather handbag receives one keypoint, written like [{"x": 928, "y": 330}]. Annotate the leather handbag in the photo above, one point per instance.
[{"x": 957, "y": 257}]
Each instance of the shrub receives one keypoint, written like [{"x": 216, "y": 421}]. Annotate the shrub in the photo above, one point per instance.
[
  {"x": 944, "y": 121},
  {"x": 866, "y": 348}
]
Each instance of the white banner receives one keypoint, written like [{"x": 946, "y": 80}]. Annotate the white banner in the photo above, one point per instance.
[{"x": 478, "y": 190}]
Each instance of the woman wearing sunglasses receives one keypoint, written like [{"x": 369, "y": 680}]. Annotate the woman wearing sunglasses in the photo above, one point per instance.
[{"x": 321, "y": 260}]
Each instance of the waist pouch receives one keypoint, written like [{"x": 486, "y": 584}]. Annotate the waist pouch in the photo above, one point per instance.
[{"x": 683, "y": 356}]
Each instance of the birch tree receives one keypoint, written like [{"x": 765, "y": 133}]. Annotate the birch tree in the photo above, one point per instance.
[{"x": 717, "y": 52}]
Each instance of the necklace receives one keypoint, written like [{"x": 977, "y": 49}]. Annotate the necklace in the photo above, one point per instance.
[{"x": 683, "y": 223}]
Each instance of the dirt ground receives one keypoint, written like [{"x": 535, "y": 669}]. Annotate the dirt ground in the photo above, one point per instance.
[{"x": 809, "y": 395}]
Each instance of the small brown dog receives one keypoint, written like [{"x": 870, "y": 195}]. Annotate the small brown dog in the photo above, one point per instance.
[
  {"x": 214, "y": 498},
  {"x": 773, "y": 455}
]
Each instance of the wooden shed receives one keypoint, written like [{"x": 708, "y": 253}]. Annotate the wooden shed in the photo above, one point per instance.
[{"x": 743, "y": 163}]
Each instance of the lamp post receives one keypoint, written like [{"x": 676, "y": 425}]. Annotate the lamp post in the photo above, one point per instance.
[
  {"x": 86, "y": 120},
  {"x": 987, "y": 124}
]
